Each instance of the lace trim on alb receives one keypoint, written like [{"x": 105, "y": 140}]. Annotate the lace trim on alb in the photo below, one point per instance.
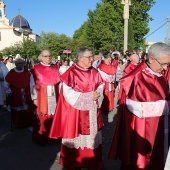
[{"x": 91, "y": 141}]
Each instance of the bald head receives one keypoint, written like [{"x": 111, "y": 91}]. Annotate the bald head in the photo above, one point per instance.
[{"x": 134, "y": 58}]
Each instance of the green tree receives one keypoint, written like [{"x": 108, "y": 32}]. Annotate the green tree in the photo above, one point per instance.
[
  {"x": 101, "y": 31},
  {"x": 54, "y": 42},
  {"x": 28, "y": 49},
  {"x": 140, "y": 18},
  {"x": 105, "y": 25}
]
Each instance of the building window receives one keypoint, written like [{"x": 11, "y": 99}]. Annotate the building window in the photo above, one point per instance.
[{"x": 0, "y": 14}]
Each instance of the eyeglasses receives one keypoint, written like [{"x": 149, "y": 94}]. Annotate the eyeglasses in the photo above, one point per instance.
[
  {"x": 164, "y": 64},
  {"x": 46, "y": 55},
  {"x": 89, "y": 57}
]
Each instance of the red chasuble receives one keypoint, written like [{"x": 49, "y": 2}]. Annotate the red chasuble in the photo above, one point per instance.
[
  {"x": 108, "y": 102},
  {"x": 44, "y": 75},
  {"x": 129, "y": 68},
  {"x": 139, "y": 142},
  {"x": 68, "y": 121},
  {"x": 115, "y": 63},
  {"x": 20, "y": 81}
]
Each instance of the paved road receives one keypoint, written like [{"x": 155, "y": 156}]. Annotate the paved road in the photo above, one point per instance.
[{"x": 19, "y": 152}]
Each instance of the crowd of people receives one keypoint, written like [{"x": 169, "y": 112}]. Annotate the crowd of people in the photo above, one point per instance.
[{"x": 67, "y": 99}]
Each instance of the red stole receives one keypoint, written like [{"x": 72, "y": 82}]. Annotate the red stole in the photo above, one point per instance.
[
  {"x": 129, "y": 68},
  {"x": 18, "y": 81},
  {"x": 48, "y": 75},
  {"x": 115, "y": 63},
  {"x": 82, "y": 80},
  {"x": 45, "y": 75},
  {"x": 110, "y": 70},
  {"x": 69, "y": 122}
]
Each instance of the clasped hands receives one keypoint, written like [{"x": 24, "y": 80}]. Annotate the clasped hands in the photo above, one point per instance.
[{"x": 96, "y": 95}]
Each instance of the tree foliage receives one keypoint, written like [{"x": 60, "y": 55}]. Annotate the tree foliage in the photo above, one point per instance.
[
  {"x": 105, "y": 25},
  {"x": 54, "y": 42},
  {"x": 27, "y": 49}
]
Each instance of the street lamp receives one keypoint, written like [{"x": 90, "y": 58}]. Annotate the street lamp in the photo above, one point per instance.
[{"x": 126, "y": 4}]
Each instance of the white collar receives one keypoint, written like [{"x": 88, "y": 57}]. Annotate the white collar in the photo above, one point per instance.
[
  {"x": 148, "y": 70},
  {"x": 81, "y": 68},
  {"x": 18, "y": 71},
  {"x": 46, "y": 64}
]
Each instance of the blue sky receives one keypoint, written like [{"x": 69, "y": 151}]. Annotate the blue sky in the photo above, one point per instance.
[
  {"x": 60, "y": 16},
  {"x": 159, "y": 12},
  {"x": 66, "y": 16}
]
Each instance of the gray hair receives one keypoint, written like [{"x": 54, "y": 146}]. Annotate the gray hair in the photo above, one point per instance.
[
  {"x": 82, "y": 51},
  {"x": 159, "y": 49},
  {"x": 133, "y": 56},
  {"x": 42, "y": 52}
]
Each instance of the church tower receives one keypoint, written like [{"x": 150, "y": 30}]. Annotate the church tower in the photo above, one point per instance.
[
  {"x": 13, "y": 32},
  {"x": 3, "y": 18}
]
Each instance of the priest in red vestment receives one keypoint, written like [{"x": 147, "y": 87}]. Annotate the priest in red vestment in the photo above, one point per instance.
[
  {"x": 47, "y": 78},
  {"x": 108, "y": 71},
  {"x": 78, "y": 120},
  {"x": 134, "y": 58},
  {"x": 115, "y": 62},
  {"x": 140, "y": 138},
  {"x": 20, "y": 82}
]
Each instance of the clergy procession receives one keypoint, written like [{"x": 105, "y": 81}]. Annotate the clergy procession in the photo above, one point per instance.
[{"x": 66, "y": 103}]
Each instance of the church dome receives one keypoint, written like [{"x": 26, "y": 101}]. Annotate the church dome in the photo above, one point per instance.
[{"x": 20, "y": 24}]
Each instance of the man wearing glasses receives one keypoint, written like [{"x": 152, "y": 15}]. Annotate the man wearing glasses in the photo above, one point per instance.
[
  {"x": 78, "y": 119},
  {"x": 140, "y": 138},
  {"x": 45, "y": 96}
]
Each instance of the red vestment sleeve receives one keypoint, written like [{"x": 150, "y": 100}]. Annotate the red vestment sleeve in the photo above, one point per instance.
[{"x": 65, "y": 123}]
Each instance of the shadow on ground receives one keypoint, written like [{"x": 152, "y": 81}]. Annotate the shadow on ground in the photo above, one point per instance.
[{"x": 19, "y": 152}]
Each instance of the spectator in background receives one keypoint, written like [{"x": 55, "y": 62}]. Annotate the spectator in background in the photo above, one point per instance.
[
  {"x": 10, "y": 64},
  {"x": 115, "y": 52},
  {"x": 71, "y": 62},
  {"x": 128, "y": 60},
  {"x": 124, "y": 59},
  {"x": 3, "y": 73},
  {"x": 119, "y": 73},
  {"x": 64, "y": 67},
  {"x": 135, "y": 50},
  {"x": 97, "y": 62}
]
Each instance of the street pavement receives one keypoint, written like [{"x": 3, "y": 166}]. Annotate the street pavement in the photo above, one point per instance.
[{"x": 19, "y": 152}]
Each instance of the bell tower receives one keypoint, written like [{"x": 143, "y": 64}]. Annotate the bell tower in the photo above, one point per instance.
[{"x": 3, "y": 18}]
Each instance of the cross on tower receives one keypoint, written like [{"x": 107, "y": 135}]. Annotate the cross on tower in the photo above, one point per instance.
[{"x": 19, "y": 10}]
